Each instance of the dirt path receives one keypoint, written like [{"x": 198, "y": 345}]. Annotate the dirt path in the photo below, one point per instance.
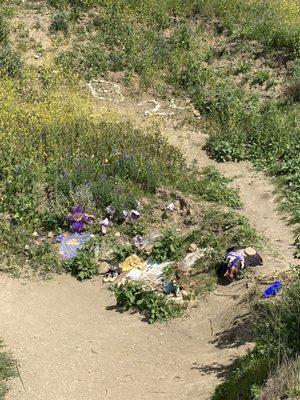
[{"x": 70, "y": 346}]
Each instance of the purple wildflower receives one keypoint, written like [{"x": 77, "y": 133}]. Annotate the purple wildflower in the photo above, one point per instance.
[
  {"x": 87, "y": 218},
  {"x": 78, "y": 226},
  {"x": 119, "y": 190},
  {"x": 77, "y": 210},
  {"x": 124, "y": 155},
  {"x": 71, "y": 218},
  {"x": 64, "y": 173}
]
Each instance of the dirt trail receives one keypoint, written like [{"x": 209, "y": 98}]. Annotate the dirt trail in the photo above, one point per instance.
[{"x": 71, "y": 344}]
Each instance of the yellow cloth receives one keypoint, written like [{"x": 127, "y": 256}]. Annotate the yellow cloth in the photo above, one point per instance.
[{"x": 132, "y": 262}]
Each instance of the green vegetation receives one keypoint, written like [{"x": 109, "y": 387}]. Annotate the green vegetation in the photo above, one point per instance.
[
  {"x": 57, "y": 151},
  {"x": 168, "y": 247},
  {"x": 60, "y": 156},
  {"x": 159, "y": 42},
  {"x": 7, "y": 370},
  {"x": 284, "y": 382},
  {"x": 152, "y": 305},
  {"x": 275, "y": 23},
  {"x": 277, "y": 337},
  {"x": 83, "y": 266}
]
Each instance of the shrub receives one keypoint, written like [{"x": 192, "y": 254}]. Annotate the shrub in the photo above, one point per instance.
[
  {"x": 83, "y": 266},
  {"x": 168, "y": 247},
  {"x": 59, "y": 22},
  {"x": 4, "y": 31},
  {"x": 152, "y": 305},
  {"x": 121, "y": 253},
  {"x": 10, "y": 61},
  {"x": 277, "y": 337}
]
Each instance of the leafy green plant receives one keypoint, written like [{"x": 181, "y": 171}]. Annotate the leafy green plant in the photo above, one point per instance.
[
  {"x": 121, "y": 252},
  {"x": 4, "y": 31},
  {"x": 83, "y": 266},
  {"x": 10, "y": 61},
  {"x": 134, "y": 228},
  {"x": 168, "y": 247},
  {"x": 152, "y": 305},
  {"x": 275, "y": 325},
  {"x": 261, "y": 77},
  {"x": 59, "y": 22}
]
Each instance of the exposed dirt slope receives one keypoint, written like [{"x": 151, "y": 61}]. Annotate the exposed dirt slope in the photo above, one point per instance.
[{"x": 70, "y": 346}]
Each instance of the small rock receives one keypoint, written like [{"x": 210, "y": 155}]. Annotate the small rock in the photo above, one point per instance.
[
  {"x": 26, "y": 247},
  {"x": 104, "y": 267},
  {"x": 35, "y": 234},
  {"x": 37, "y": 56},
  {"x": 117, "y": 234},
  {"x": 50, "y": 235},
  {"x": 170, "y": 207},
  {"x": 186, "y": 294},
  {"x": 193, "y": 247}
]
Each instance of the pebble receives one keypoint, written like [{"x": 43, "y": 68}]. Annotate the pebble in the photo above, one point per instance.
[{"x": 193, "y": 247}]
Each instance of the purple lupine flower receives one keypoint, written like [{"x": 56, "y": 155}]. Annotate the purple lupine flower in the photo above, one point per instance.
[
  {"x": 124, "y": 155},
  {"x": 71, "y": 218},
  {"x": 119, "y": 190},
  {"x": 78, "y": 226},
  {"x": 77, "y": 210},
  {"x": 88, "y": 218}
]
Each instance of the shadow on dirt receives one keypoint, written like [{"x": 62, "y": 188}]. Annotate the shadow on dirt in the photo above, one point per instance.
[
  {"x": 219, "y": 370},
  {"x": 235, "y": 336}
]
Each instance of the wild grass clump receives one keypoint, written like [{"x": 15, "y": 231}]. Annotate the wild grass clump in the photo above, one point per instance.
[
  {"x": 59, "y": 22},
  {"x": 277, "y": 337},
  {"x": 284, "y": 382},
  {"x": 269, "y": 136},
  {"x": 4, "y": 29},
  {"x": 7, "y": 370},
  {"x": 273, "y": 22}
]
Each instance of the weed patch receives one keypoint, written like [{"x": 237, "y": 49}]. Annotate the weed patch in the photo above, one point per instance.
[
  {"x": 277, "y": 338},
  {"x": 152, "y": 305},
  {"x": 7, "y": 370}
]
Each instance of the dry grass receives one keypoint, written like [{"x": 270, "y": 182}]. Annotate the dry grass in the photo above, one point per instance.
[{"x": 284, "y": 384}]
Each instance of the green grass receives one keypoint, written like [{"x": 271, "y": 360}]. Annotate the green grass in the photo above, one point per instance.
[
  {"x": 56, "y": 152},
  {"x": 7, "y": 370},
  {"x": 154, "y": 306},
  {"x": 145, "y": 41},
  {"x": 276, "y": 334},
  {"x": 273, "y": 22}
]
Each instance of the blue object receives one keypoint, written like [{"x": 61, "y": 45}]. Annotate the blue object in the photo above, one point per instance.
[
  {"x": 169, "y": 287},
  {"x": 70, "y": 243},
  {"x": 273, "y": 289}
]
